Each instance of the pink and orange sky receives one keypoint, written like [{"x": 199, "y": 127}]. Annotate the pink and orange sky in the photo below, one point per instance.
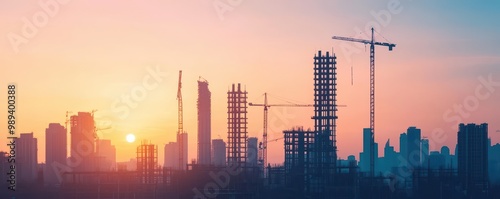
[{"x": 88, "y": 54}]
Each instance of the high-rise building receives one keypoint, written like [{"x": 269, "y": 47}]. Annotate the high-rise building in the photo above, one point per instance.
[
  {"x": 183, "y": 138},
  {"x": 204, "y": 123},
  {"x": 435, "y": 160},
  {"x": 473, "y": 158},
  {"x": 55, "y": 153},
  {"x": 365, "y": 154},
  {"x": 413, "y": 147},
  {"x": 237, "y": 126},
  {"x": 494, "y": 163},
  {"x": 425, "y": 152},
  {"x": 403, "y": 147},
  {"x": 390, "y": 157},
  {"x": 171, "y": 155},
  {"x": 252, "y": 151},
  {"x": 105, "y": 155},
  {"x": 26, "y": 158},
  {"x": 448, "y": 160},
  {"x": 82, "y": 141},
  {"x": 219, "y": 152}
]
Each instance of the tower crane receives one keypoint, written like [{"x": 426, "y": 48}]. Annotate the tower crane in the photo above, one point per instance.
[
  {"x": 180, "y": 125},
  {"x": 372, "y": 44},
  {"x": 263, "y": 144}
]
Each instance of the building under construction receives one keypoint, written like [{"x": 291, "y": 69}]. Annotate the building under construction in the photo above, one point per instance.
[
  {"x": 237, "y": 126},
  {"x": 298, "y": 156},
  {"x": 325, "y": 117},
  {"x": 147, "y": 163}
]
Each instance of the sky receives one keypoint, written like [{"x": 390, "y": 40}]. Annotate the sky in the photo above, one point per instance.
[{"x": 89, "y": 55}]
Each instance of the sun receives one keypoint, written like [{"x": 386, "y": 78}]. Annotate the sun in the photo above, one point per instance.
[{"x": 130, "y": 138}]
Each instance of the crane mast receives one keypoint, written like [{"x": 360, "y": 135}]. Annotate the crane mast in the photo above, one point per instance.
[
  {"x": 264, "y": 135},
  {"x": 180, "y": 125},
  {"x": 372, "y": 44}
]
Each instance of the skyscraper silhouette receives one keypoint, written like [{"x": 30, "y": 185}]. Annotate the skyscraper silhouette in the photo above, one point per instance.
[
  {"x": 106, "y": 155},
  {"x": 473, "y": 158},
  {"x": 413, "y": 147},
  {"x": 252, "y": 151},
  {"x": 219, "y": 152},
  {"x": 82, "y": 141},
  {"x": 55, "y": 153},
  {"x": 171, "y": 155},
  {"x": 204, "y": 123},
  {"x": 27, "y": 159},
  {"x": 403, "y": 149},
  {"x": 425, "y": 152}
]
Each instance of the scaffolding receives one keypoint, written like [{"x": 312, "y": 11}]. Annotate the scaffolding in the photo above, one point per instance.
[
  {"x": 325, "y": 117},
  {"x": 147, "y": 163},
  {"x": 237, "y": 127},
  {"x": 298, "y": 145}
]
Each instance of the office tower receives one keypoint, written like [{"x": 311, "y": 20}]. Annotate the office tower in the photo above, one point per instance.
[
  {"x": 448, "y": 160},
  {"x": 219, "y": 152},
  {"x": 55, "y": 153},
  {"x": 82, "y": 141},
  {"x": 435, "y": 161},
  {"x": 106, "y": 155},
  {"x": 171, "y": 155},
  {"x": 413, "y": 147},
  {"x": 473, "y": 158},
  {"x": 365, "y": 154},
  {"x": 204, "y": 123},
  {"x": 390, "y": 157},
  {"x": 494, "y": 163},
  {"x": 425, "y": 152},
  {"x": 403, "y": 147},
  {"x": 252, "y": 151},
  {"x": 26, "y": 158},
  {"x": 183, "y": 138}
]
